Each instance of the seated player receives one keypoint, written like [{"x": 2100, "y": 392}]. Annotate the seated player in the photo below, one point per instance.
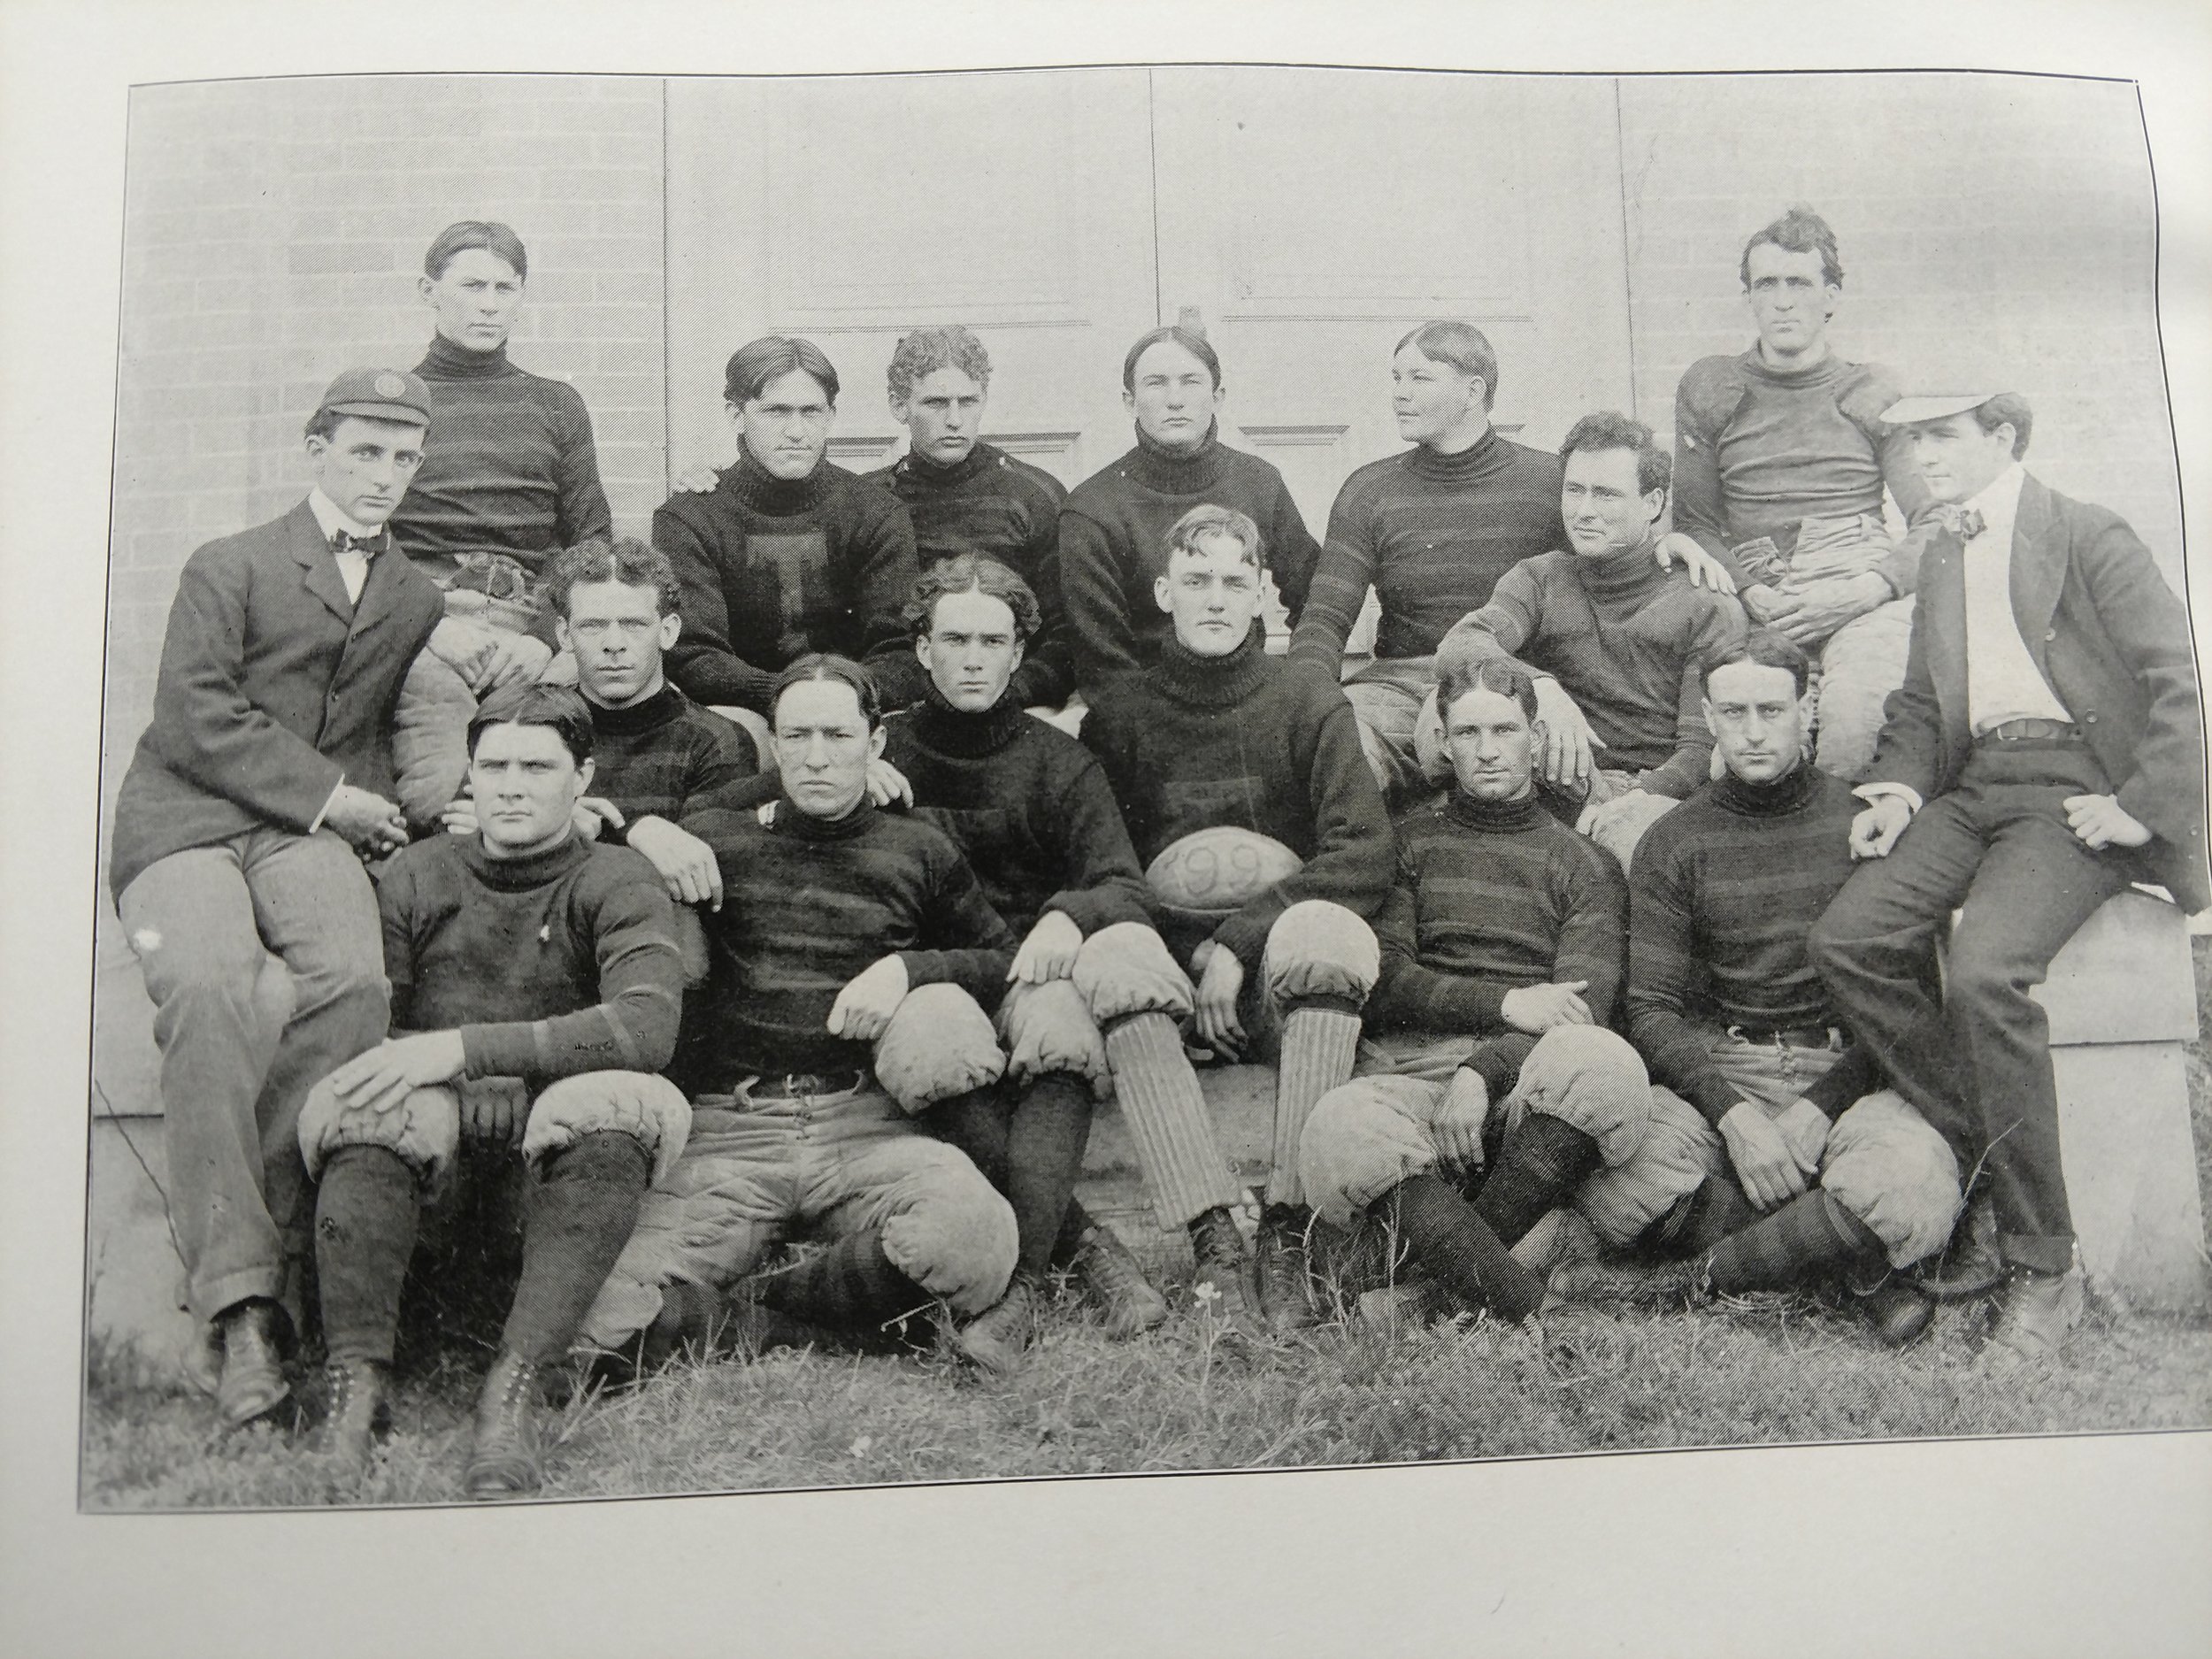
[
  {"x": 1223, "y": 753},
  {"x": 967, "y": 496},
  {"x": 1613, "y": 641},
  {"x": 858, "y": 946},
  {"x": 788, "y": 553},
  {"x": 1113, "y": 531},
  {"x": 1827, "y": 1172},
  {"x": 534, "y": 995},
  {"x": 1490, "y": 1090}
]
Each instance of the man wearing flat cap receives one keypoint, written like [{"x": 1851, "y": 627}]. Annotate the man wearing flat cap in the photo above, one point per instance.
[
  {"x": 261, "y": 784},
  {"x": 2045, "y": 750}
]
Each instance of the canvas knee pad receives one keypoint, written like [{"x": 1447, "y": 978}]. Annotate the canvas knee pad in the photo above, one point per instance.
[
  {"x": 1127, "y": 969},
  {"x": 1048, "y": 1027},
  {"x": 1317, "y": 949},
  {"x": 1591, "y": 1079},
  {"x": 939, "y": 1044},
  {"x": 1887, "y": 1164},
  {"x": 954, "y": 1234},
  {"x": 424, "y": 1129},
  {"x": 649, "y": 1109},
  {"x": 1680, "y": 1149},
  {"x": 1357, "y": 1145}
]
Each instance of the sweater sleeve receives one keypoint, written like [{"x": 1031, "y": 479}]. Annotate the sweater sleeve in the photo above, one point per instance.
[
  {"x": 1593, "y": 941},
  {"x": 581, "y": 514},
  {"x": 1892, "y": 448},
  {"x": 625, "y": 920},
  {"x": 1104, "y": 643},
  {"x": 395, "y": 905},
  {"x": 701, "y": 661},
  {"x": 1661, "y": 971},
  {"x": 881, "y": 569},
  {"x": 1410, "y": 996},
  {"x": 1855, "y": 1073},
  {"x": 1340, "y": 579},
  {"x": 970, "y": 944},
  {"x": 1103, "y": 883},
  {"x": 1047, "y": 675},
  {"x": 1720, "y": 628},
  {"x": 1293, "y": 553},
  {"x": 723, "y": 754},
  {"x": 1352, "y": 854},
  {"x": 1700, "y": 509},
  {"x": 1494, "y": 633}
]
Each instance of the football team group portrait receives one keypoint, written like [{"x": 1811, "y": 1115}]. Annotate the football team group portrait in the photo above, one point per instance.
[{"x": 1548, "y": 836}]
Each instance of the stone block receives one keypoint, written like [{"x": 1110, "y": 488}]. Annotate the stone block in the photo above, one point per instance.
[{"x": 2132, "y": 1173}]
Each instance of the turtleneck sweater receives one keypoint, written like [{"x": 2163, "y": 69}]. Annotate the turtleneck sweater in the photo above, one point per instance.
[
  {"x": 773, "y": 568},
  {"x": 549, "y": 965},
  {"x": 1723, "y": 890},
  {"x": 992, "y": 503},
  {"x": 508, "y": 467},
  {"x": 1757, "y": 451},
  {"x": 1491, "y": 897},
  {"x": 1624, "y": 639},
  {"x": 662, "y": 755},
  {"x": 808, "y": 905},
  {"x": 1113, "y": 533},
  {"x": 1245, "y": 741},
  {"x": 1432, "y": 533},
  {"x": 1026, "y": 804}
]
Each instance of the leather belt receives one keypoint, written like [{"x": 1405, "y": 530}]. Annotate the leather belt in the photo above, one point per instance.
[
  {"x": 1790, "y": 1036},
  {"x": 805, "y": 1086},
  {"x": 2029, "y": 731}
]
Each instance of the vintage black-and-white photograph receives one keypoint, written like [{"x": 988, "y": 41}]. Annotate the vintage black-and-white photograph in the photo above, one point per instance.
[{"x": 818, "y": 782}]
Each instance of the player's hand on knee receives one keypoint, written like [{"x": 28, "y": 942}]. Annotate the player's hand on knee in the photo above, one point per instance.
[
  {"x": 1456, "y": 1130},
  {"x": 864, "y": 1007},
  {"x": 1570, "y": 745},
  {"x": 513, "y": 659},
  {"x": 687, "y": 864},
  {"x": 887, "y": 784},
  {"x": 1875, "y": 831},
  {"x": 1805, "y": 1126},
  {"x": 1767, "y": 1165},
  {"x": 1705, "y": 570},
  {"x": 1220, "y": 981},
  {"x": 2099, "y": 821},
  {"x": 381, "y": 1078},
  {"x": 1536, "y": 1009},
  {"x": 462, "y": 646},
  {"x": 1049, "y": 952}
]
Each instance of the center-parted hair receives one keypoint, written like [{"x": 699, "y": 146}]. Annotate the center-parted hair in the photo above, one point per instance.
[
  {"x": 1799, "y": 230},
  {"x": 1769, "y": 648},
  {"x": 757, "y": 361},
  {"x": 973, "y": 573},
  {"x": 830, "y": 666},
  {"x": 1506, "y": 678},
  {"x": 1463, "y": 345},
  {"x": 921, "y": 354},
  {"x": 1610, "y": 429},
  {"x": 1189, "y": 340},
  {"x": 1208, "y": 520},
  {"x": 492, "y": 236},
  {"x": 626, "y": 559},
  {"x": 557, "y": 706}
]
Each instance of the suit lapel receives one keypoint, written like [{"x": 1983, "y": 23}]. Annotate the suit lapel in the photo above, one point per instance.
[
  {"x": 1943, "y": 611},
  {"x": 2039, "y": 569},
  {"x": 319, "y": 571}
]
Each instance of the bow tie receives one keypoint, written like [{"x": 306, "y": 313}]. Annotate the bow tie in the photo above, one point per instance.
[
  {"x": 346, "y": 542},
  {"x": 1965, "y": 522}
]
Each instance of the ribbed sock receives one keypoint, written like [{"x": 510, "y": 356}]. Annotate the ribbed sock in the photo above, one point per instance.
[
  {"x": 851, "y": 1285},
  {"x": 1044, "y": 1156},
  {"x": 1454, "y": 1244},
  {"x": 1543, "y": 1160},
  {"x": 976, "y": 1122},
  {"x": 1716, "y": 1209},
  {"x": 1185, "y": 1169},
  {"x": 1319, "y": 1046},
  {"x": 364, "y": 1235},
  {"x": 581, "y": 1215},
  {"x": 1810, "y": 1236}
]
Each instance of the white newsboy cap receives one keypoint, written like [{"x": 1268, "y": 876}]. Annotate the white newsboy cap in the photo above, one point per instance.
[{"x": 1906, "y": 410}]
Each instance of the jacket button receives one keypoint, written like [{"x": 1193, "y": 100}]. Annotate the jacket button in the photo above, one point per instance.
[
  {"x": 2089, "y": 718},
  {"x": 2049, "y": 634}
]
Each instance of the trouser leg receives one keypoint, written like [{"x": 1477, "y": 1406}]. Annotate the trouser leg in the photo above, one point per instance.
[
  {"x": 582, "y": 1210},
  {"x": 365, "y": 1215}
]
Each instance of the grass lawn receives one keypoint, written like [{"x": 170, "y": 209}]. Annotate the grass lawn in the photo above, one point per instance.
[{"x": 1788, "y": 1369}]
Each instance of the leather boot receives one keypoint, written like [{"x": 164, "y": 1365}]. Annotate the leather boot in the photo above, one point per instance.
[
  {"x": 503, "y": 1457},
  {"x": 1114, "y": 1279},
  {"x": 1280, "y": 1272},
  {"x": 997, "y": 1339},
  {"x": 358, "y": 1413},
  {"x": 252, "y": 1387},
  {"x": 2038, "y": 1312},
  {"x": 1218, "y": 1285}
]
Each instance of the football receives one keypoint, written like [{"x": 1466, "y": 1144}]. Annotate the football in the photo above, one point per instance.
[{"x": 1219, "y": 872}]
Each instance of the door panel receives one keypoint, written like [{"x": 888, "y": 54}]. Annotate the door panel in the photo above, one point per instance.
[{"x": 852, "y": 210}]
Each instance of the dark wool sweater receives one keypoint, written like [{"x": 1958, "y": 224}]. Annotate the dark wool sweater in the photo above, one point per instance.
[
  {"x": 809, "y": 905},
  {"x": 559, "y": 962},
  {"x": 1757, "y": 451},
  {"x": 1723, "y": 890},
  {"x": 1028, "y": 805},
  {"x": 660, "y": 757},
  {"x": 1245, "y": 740},
  {"x": 1432, "y": 533},
  {"x": 771, "y": 569},
  {"x": 1624, "y": 639},
  {"x": 1491, "y": 897},
  {"x": 508, "y": 467},
  {"x": 1007, "y": 510},
  {"x": 1112, "y": 544}
]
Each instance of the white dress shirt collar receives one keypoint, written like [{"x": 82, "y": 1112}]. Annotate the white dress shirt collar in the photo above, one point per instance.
[
  {"x": 1999, "y": 501},
  {"x": 333, "y": 520}
]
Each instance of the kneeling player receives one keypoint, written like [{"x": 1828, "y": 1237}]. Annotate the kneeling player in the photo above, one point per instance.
[{"x": 534, "y": 994}]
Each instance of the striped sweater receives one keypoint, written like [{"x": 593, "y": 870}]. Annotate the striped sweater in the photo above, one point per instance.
[
  {"x": 658, "y": 758},
  {"x": 1491, "y": 897},
  {"x": 560, "y": 963},
  {"x": 1723, "y": 890}
]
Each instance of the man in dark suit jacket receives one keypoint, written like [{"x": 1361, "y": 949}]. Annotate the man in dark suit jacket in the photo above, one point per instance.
[
  {"x": 262, "y": 781},
  {"x": 2046, "y": 749}
]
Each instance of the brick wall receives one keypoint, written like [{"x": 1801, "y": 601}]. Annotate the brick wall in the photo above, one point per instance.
[
  {"x": 1982, "y": 219},
  {"x": 273, "y": 234}
]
